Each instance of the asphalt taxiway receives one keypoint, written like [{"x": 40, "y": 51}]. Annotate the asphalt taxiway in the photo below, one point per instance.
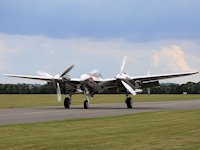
[{"x": 43, "y": 114}]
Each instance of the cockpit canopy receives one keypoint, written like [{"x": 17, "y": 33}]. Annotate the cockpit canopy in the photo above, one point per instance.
[{"x": 96, "y": 73}]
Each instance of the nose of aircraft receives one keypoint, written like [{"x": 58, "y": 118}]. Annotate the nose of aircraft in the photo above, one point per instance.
[
  {"x": 84, "y": 77},
  {"x": 121, "y": 76}
]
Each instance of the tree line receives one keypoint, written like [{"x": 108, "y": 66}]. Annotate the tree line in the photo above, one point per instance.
[
  {"x": 165, "y": 88},
  {"x": 26, "y": 89},
  {"x": 171, "y": 88}
]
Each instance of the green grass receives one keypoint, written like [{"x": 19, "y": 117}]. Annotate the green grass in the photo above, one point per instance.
[
  {"x": 155, "y": 130},
  {"x": 29, "y": 100}
]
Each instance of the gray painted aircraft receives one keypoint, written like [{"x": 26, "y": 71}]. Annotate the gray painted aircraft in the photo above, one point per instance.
[{"x": 93, "y": 83}]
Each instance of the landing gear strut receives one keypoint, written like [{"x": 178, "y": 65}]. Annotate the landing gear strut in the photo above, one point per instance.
[
  {"x": 67, "y": 102},
  {"x": 129, "y": 102}
]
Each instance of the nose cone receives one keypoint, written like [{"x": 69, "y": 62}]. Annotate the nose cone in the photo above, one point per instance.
[
  {"x": 122, "y": 76},
  {"x": 84, "y": 77}
]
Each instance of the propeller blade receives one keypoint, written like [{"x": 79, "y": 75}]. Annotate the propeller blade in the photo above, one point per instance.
[
  {"x": 149, "y": 72},
  {"x": 44, "y": 74},
  {"x": 148, "y": 91},
  {"x": 57, "y": 76},
  {"x": 67, "y": 70},
  {"x": 129, "y": 88},
  {"x": 59, "y": 97},
  {"x": 123, "y": 63}
]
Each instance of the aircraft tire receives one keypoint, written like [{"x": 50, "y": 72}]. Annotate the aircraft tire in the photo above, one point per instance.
[
  {"x": 86, "y": 104},
  {"x": 129, "y": 102},
  {"x": 67, "y": 102}
]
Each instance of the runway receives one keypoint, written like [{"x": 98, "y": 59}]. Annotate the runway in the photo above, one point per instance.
[{"x": 43, "y": 114}]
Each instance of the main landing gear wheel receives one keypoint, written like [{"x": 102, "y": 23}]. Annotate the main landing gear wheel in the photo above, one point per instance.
[
  {"x": 86, "y": 104},
  {"x": 67, "y": 102},
  {"x": 129, "y": 102}
]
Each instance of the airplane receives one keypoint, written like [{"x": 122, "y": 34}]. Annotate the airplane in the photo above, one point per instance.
[{"x": 93, "y": 83}]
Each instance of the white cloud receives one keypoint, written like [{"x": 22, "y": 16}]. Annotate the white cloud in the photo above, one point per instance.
[
  {"x": 2, "y": 47},
  {"x": 174, "y": 57},
  {"x": 2, "y": 51},
  {"x": 26, "y": 54}
]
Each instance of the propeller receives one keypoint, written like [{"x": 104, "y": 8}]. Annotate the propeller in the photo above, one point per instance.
[
  {"x": 123, "y": 63},
  {"x": 129, "y": 88},
  {"x": 55, "y": 79},
  {"x": 67, "y": 70},
  {"x": 122, "y": 77},
  {"x": 59, "y": 96},
  {"x": 44, "y": 74}
]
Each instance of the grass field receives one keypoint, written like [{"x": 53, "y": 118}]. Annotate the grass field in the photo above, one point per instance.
[
  {"x": 155, "y": 130},
  {"x": 20, "y": 100}
]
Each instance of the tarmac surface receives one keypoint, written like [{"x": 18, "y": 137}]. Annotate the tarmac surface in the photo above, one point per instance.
[{"x": 44, "y": 114}]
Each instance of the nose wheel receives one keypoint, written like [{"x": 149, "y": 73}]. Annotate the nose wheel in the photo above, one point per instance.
[
  {"x": 67, "y": 102},
  {"x": 129, "y": 102},
  {"x": 86, "y": 104}
]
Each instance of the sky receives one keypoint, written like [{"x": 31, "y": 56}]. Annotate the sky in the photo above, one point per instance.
[{"x": 48, "y": 35}]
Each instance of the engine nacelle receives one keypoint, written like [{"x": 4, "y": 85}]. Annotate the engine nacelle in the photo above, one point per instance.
[{"x": 66, "y": 77}]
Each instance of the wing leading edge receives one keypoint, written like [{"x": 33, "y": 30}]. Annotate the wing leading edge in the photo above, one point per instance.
[
  {"x": 162, "y": 76},
  {"x": 48, "y": 79},
  {"x": 29, "y": 77}
]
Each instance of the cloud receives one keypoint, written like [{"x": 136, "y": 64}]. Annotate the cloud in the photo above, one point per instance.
[
  {"x": 174, "y": 57},
  {"x": 2, "y": 51},
  {"x": 8, "y": 46},
  {"x": 102, "y": 18},
  {"x": 2, "y": 47},
  {"x": 21, "y": 54}
]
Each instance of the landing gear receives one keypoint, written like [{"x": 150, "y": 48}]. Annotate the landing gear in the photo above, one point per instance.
[
  {"x": 86, "y": 104},
  {"x": 129, "y": 102},
  {"x": 67, "y": 102}
]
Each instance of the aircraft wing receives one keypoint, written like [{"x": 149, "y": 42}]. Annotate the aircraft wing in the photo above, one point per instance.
[
  {"x": 161, "y": 76},
  {"x": 151, "y": 77},
  {"x": 42, "y": 78},
  {"x": 148, "y": 81},
  {"x": 29, "y": 77}
]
